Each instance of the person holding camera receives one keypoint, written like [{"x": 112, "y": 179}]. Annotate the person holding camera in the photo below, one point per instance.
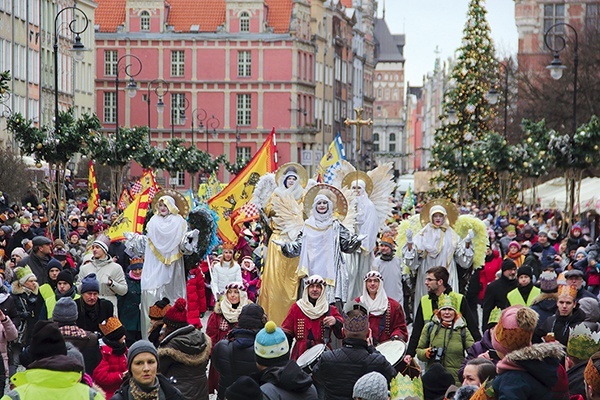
[{"x": 445, "y": 338}]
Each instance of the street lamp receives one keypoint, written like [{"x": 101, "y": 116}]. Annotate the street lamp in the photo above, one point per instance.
[
  {"x": 161, "y": 89},
  {"x": 181, "y": 117},
  {"x": 131, "y": 87},
  {"x": 556, "y": 67},
  {"x": 212, "y": 122},
  {"x": 78, "y": 48},
  {"x": 201, "y": 115},
  {"x": 493, "y": 96}
]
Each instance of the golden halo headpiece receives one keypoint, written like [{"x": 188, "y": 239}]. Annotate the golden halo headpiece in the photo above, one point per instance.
[
  {"x": 299, "y": 169},
  {"x": 451, "y": 211},
  {"x": 341, "y": 204},
  {"x": 358, "y": 175},
  {"x": 180, "y": 201}
]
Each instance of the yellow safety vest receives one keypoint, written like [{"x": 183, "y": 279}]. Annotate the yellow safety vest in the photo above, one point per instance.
[
  {"x": 514, "y": 297},
  {"x": 427, "y": 307},
  {"x": 46, "y": 291}
]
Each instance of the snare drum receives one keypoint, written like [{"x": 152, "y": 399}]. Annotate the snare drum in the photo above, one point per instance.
[
  {"x": 393, "y": 351},
  {"x": 309, "y": 358}
]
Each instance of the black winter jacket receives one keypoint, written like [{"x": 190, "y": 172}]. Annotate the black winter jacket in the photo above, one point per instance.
[
  {"x": 233, "y": 357},
  {"x": 286, "y": 382},
  {"x": 560, "y": 326},
  {"x": 495, "y": 296},
  {"x": 338, "y": 370},
  {"x": 170, "y": 391}
]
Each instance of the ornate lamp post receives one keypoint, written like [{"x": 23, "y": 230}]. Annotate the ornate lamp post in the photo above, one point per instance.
[
  {"x": 161, "y": 89},
  {"x": 493, "y": 96},
  {"x": 212, "y": 122},
  {"x": 200, "y": 114},
  {"x": 131, "y": 87}
]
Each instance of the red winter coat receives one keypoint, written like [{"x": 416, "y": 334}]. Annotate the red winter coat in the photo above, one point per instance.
[
  {"x": 109, "y": 373},
  {"x": 196, "y": 297},
  {"x": 488, "y": 273}
]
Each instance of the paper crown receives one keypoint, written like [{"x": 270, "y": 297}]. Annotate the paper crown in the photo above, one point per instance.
[
  {"x": 357, "y": 323},
  {"x": 591, "y": 373},
  {"x": 110, "y": 325},
  {"x": 228, "y": 246},
  {"x": 494, "y": 315},
  {"x": 446, "y": 301},
  {"x": 388, "y": 241},
  {"x": 567, "y": 290},
  {"x": 583, "y": 342},
  {"x": 402, "y": 387}
]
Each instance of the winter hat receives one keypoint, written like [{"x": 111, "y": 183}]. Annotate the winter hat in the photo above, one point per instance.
[
  {"x": 515, "y": 244},
  {"x": 74, "y": 233},
  {"x": 136, "y": 263},
  {"x": 22, "y": 274},
  {"x": 41, "y": 240},
  {"x": 18, "y": 251},
  {"x": 371, "y": 386},
  {"x": 244, "y": 388},
  {"x": 515, "y": 329},
  {"x": 436, "y": 380},
  {"x": 46, "y": 341},
  {"x": 159, "y": 309},
  {"x": 75, "y": 354},
  {"x": 65, "y": 310},
  {"x": 527, "y": 244},
  {"x": 525, "y": 270},
  {"x": 537, "y": 248},
  {"x": 65, "y": 276},
  {"x": 138, "y": 347},
  {"x": 357, "y": 323},
  {"x": 90, "y": 284},
  {"x": 271, "y": 346},
  {"x": 251, "y": 317},
  {"x": 581, "y": 250},
  {"x": 465, "y": 392},
  {"x": 510, "y": 228},
  {"x": 60, "y": 254},
  {"x": 53, "y": 263},
  {"x": 548, "y": 282},
  {"x": 103, "y": 242},
  {"x": 176, "y": 316},
  {"x": 112, "y": 329},
  {"x": 508, "y": 264}
]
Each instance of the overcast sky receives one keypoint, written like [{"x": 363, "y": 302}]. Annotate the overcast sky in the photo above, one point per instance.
[{"x": 431, "y": 23}]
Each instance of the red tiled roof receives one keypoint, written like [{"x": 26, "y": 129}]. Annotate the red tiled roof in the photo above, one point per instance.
[
  {"x": 347, "y": 3},
  {"x": 280, "y": 13},
  {"x": 110, "y": 14}
]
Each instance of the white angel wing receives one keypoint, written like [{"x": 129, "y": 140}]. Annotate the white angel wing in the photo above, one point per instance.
[
  {"x": 311, "y": 182},
  {"x": 339, "y": 173},
  {"x": 288, "y": 215},
  {"x": 264, "y": 189},
  {"x": 383, "y": 187},
  {"x": 349, "y": 221}
]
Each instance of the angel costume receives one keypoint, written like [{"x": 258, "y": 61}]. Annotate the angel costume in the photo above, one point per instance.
[
  {"x": 164, "y": 272},
  {"x": 320, "y": 246},
  {"x": 436, "y": 246},
  {"x": 279, "y": 287}
]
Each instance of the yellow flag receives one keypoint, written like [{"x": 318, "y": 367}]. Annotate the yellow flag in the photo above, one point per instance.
[
  {"x": 240, "y": 189},
  {"x": 132, "y": 219},
  {"x": 93, "y": 199}
]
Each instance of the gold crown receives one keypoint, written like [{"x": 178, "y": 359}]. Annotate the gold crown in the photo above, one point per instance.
[
  {"x": 567, "y": 290},
  {"x": 583, "y": 342},
  {"x": 110, "y": 325},
  {"x": 228, "y": 246},
  {"x": 446, "y": 301},
  {"x": 157, "y": 312}
]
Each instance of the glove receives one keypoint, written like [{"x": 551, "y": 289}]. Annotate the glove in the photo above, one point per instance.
[
  {"x": 361, "y": 237},
  {"x": 470, "y": 236},
  {"x": 279, "y": 243},
  {"x": 428, "y": 352},
  {"x": 409, "y": 236}
]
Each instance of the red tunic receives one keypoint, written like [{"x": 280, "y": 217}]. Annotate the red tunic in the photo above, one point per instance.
[
  {"x": 298, "y": 325},
  {"x": 389, "y": 324},
  {"x": 217, "y": 328}
]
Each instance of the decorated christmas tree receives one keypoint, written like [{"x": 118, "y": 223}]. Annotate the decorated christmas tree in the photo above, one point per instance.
[{"x": 459, "y": 154}]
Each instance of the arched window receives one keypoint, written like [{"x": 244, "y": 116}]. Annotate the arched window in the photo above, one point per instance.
[
  {"x": 376, "y": 142},
  {"x": 392, "y": 143},
  {"x": 145, "y": 21},
  {"x": 244, "y": 22}
]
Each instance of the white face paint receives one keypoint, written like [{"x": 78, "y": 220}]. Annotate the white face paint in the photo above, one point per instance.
[
  {"x": 163, "y": 210},
  {"x": 357, "y": 188},
  {"x": 322, "y": 206},
  {"x": 437, "y": 219}
]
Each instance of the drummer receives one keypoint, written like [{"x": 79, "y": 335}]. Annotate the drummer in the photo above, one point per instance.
[
  {"x": 386, "y": 318},
  {"x": 311, "y": 320}
]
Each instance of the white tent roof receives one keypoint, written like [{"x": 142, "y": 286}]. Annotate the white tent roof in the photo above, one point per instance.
[{"x": 552, "y": 194}]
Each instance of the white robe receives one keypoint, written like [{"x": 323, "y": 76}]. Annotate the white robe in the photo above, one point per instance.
[{"x": 391, "y": 271}]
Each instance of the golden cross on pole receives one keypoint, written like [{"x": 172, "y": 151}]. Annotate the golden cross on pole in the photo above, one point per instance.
[{"x": 359, "y": 123}]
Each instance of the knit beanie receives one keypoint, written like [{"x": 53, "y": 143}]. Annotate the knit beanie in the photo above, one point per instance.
[
  {"x": 159, "y": 308},
  {"x": 176, "y": 316},
  {"x": 112, "y": 329},
  {"x": 372, "y": 386},
  {"x": 508, "y": 264},
  {"x": 65, "y": 276},
  {"x": 465, "y": 392},
  {"x": 75, "y": 354},
  {"x": 436, "y": 380},
  {"x": 515, "y": 329},
  {"x": 515, "y": 244},
  {"x": 22, "y": 274},
  {"x": 141, "y": 346},
  {"x": 65, "y": 310},
  {"x": 53, "y": 263},
  {"x": 271, "y": 346},
  {"x": 90, "y": 284},
  {"x": 244, "y": 388},
  {"x": 46, "y": 341},
  {"x": 548, "y": 282},
  {"x": 525, "y": 270},
  {"x": 251, "y": 317},
  {"x": 103, "y": 242}
]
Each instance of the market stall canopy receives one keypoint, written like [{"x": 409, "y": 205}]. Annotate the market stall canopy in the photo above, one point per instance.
[{"x": 552, "y": 194}]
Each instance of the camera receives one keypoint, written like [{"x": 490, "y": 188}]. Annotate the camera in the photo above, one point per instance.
[
  {"x": 437, "y": 353},
  {"x": 13, "y": 260}
]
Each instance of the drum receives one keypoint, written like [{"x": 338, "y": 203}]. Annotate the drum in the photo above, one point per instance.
[
  {"x": 309, "y": 358},
  {"x": 393, "y": 351}
]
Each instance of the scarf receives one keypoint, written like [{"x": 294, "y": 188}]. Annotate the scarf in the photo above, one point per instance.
[
  {"x": 230, "y": 312},
  {"x": 138, "y": 392},
  {"x": 133, "y": 277},
  {"x": 377, "y": 306},
  {"x": 513, "y": 256},
  {"x": 117, "y": 347},
  {"x": 69, "y": 293},
  {"x": 318, "y": 309},
  {"x": 387, "y": 257}
]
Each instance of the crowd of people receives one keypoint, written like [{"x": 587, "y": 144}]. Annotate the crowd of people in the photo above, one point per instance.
[{"x": 331, "y": 296}]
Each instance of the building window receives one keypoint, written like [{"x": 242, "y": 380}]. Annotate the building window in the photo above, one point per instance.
[
  {"x": 392, "y": 143},
  {"x": 553, "y": 14},
  {"x": 244, "y": 22},
  {"x": 110, "y": 107},
  {"x": 178, "y": 179},
  {"x": 178, "y": 108},
  {"x": 145, "y": 21},
  {"x": 243, "y": 153},
  {"x": 244, "y": 63},
  {"x": 244, "y": 109},
  {"x": 376, "y": 142},
  {"x": 110, "y": 62},
  {"x": 177, "y": 62},
  {"x": 592, "y": 16}
]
